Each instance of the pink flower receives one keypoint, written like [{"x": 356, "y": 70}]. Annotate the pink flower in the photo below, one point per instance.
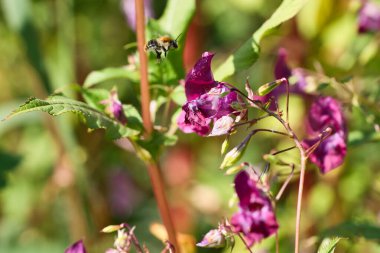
[
  {"x": 369, "y": 17},
  {"x": 326, "y": 112},
  {"x": 207, "y": 99},
  {"x": 255, "y": 218},
  {"x": 77, "y": 247},
  {"x": 114, "y": 107}
]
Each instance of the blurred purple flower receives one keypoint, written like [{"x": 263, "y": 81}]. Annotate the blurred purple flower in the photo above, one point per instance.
[
  {"x": 369, "y": 17},
  {"x": 130, "y": 11},
  {"x": 326, "y": 112},
  {"x": 77, "y": 247},
  {"x": 114, "y": 107},
  {"x": 330, "y": 153},
  {"x": 282, "y": 70},
  {"x": 207, "y": 99},
  {"x": 255, "y": 217}
]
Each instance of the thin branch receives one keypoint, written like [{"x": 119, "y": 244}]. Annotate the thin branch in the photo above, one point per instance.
[
  {"x": 279, "y": 194},
  {"x": 245, "y": 243}
]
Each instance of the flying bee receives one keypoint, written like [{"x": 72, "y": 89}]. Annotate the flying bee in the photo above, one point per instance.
[{"x": 161, "y": 45}]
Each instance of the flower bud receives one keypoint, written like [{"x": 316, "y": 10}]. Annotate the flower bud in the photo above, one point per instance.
[
  {"x": 268, "y": 87},
  {"x": 213, "y": 239}
]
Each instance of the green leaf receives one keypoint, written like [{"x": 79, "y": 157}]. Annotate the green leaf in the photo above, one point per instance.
[
  {"x": 356, "y": 138},
  {"x": 352, "y": 229},
  {"x": 328, "y": 245},
  {"x": 156, "y": 142},
  {"x": 177, "y": 16},
  {"x": 56, "y": 105},
  {"x": 178, "y": 95},
  {"x": 93, "y": 97},
  {"x": 107, "y": 74},
  {"x": 247, "y": 55}
]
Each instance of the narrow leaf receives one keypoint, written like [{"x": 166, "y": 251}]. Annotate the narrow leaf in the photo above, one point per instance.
[
  {"x": 247, "y": 55},
  {"x": 57, "y": 104}
]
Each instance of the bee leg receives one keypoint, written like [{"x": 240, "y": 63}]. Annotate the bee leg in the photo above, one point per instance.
[
  {"x": 165, "y": 52},
  {"x": 158, "y": 54}
]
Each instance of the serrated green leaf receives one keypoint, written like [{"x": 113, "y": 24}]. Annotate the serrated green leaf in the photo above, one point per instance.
[
  {"x": 328, "y": 245},
  {"x": 57, "y": 105},
  {"x": 247, "y": 55},
  {"x": 93, "y": 97},
  {"x": 108, "y": 74}
]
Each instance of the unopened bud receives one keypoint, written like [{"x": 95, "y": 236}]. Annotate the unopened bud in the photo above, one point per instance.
[
  {"x": 235, "y": 154},
  {"x": 268, "y": 87}
]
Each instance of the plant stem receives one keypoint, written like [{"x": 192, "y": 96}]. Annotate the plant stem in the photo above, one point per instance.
[
  {"x": 245, "y": 243},
  {"x": 153, "y": 169},
  {"x": 303, "y": 155},
  {"x": 299, "y": 201}
]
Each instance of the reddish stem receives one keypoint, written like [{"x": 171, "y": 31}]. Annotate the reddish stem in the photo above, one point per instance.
[{"x": 153, "y": 169}]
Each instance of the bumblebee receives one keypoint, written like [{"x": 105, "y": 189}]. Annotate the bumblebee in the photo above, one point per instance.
[{"x": 161, "y": 45}]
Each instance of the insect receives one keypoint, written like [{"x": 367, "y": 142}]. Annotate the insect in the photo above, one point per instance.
[{"x": 161, "y": 45}]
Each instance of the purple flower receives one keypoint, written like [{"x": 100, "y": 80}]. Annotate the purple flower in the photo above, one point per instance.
[
  {"x": 114, "y": 107},
  {"x": 77, "y": 247},
  {"x": 255, "y": 217},
  {"x": 326, "y": 112},
  {"x": 369, "y": 17},
  {"x": 330, "y": 153},
  {"x": 282, "y": 70},
  {"x": 129, "y": 10},
  {"x": 207, "y": 100}
]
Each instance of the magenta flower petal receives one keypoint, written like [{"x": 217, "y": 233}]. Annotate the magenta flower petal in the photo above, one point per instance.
[
  {"x": 255, "y": 218},
  {"x": 200, "y": 78},
  {"x": 77, "y": 247},
  {"x": 369, "y": 17},
  {"x": 207, "y": 99},
  {"x": 326, "y": 112},
  {"x": 191, "y": 120},
  {"x": 281, "y": 69},
  {"x": 330, "y": 153}
]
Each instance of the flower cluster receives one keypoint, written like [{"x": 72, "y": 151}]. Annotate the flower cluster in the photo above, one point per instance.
[
  {"x": 255, "y": 217},
  {"x": 208, "y": 101},
  {"x": 326, "y": 112}
]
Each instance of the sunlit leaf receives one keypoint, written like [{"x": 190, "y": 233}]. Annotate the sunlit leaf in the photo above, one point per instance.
[
  {"x": 56, "y": 105},
  {"x": 247, "y": 55},
  {"x": 108, "y": 74},
  {"x": 328, "y": 245}
]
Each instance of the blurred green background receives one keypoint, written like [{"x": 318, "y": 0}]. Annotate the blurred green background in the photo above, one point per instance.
[{"x": 60, "y": 183}]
